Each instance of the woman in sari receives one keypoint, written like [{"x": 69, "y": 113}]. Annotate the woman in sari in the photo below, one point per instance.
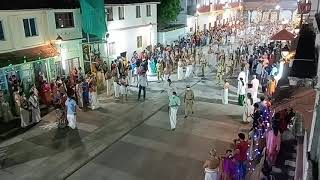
[
  {"x": 34, "y": 105},
  {"x": 272, "y": 86},
  {"x": 24, "y": 110},
  {"x": 248, "y": 109},
  {"x": 273, "y": 141},
  {"x": 85, "y": 87}
]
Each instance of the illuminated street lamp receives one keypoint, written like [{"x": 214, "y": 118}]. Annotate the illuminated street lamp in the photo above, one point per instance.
[
  {"x": 277, "y": 7},
  {"x": 198, "y": 6}
]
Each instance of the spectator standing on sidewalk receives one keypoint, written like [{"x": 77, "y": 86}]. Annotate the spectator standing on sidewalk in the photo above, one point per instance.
[
  {"x": 174, "y": 103},
  {"x": 142, "y": 82},
  {"x": 241, "y": 149},
  {"x": 211, "y": 166},
  {"x": 71, "y": 110}
]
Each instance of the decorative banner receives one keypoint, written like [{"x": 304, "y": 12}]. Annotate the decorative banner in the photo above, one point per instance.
[{"x": 274, "y": 16}]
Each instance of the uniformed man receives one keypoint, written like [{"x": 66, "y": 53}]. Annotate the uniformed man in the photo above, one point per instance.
[
  {"x": 203, "y": 65},
  {"x": 188, "y": 100},
  {"x": 220, "y": 72}
]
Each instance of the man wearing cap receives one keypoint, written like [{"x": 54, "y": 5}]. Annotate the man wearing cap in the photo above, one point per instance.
[
  {"x": 188, "y": 100},
  {"x": 174, "y": 103}
]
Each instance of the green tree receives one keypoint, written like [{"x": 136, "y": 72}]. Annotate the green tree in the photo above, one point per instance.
[{"x": 168, "y": 11}]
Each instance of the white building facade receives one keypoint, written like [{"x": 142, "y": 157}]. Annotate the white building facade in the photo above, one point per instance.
[
  {"x": 211, "y": 13},
  {"x": 131, "y": 27},
  {"x": 28, "y": 36}
]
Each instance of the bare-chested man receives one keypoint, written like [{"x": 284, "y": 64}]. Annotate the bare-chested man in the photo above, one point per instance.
[{"x": 211, "y": 166}]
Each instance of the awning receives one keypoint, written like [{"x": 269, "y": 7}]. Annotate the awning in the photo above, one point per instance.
[
  {"x": 301, "y": 100},
  {"x": 283, "y": 35},
  {"x": 27, "y": 55}
]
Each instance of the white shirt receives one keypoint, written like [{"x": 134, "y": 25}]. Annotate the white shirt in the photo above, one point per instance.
[
  {"x": 143, "y": 81},
  {"x": 255, "y": 84},
  {"x": 242, "y": 89},
  {"x": 242, "y": 75}
]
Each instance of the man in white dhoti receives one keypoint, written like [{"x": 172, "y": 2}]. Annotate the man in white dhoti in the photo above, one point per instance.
[
  {"x": 71, "y": 110},
  {"x": 255, "y": 85},
  {"x": 189, "y": 68},
  {"x": 211, "y": 166},
  {"x": 180, "y": 70},
  {"x": 174, "y": 103},
  {"x": 225, "y": 92},
  {"x": 116, "y": 87}
]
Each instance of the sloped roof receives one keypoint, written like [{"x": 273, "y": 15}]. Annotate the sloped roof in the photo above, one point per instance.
[
  {"x": 28, "y": 55},
  {"x": 283, "y": 35}
]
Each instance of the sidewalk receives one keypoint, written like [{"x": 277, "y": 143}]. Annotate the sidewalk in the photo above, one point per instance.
[{"x": 45, "y": 152}]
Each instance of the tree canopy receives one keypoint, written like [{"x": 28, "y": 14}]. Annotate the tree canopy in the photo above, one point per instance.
[{"x": 168, "y": 11}]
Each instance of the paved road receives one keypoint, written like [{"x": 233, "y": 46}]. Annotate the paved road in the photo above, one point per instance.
[
  {"x": 128, "y": 140},
  {"x": 152, "y": 151}
]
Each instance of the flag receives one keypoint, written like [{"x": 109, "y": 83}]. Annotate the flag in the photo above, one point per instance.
[{"x": 93, "y": 17}]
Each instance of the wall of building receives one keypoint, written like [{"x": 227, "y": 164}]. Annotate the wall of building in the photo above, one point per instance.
[
  {"x": 170, "y": 36},
  {"x": 130, "y": 20},
  {"x": 47, "y": 32},
  {"x": 14, "y": 31},
  {"x": 123, "y": 33},
  {"x": 126, "y": 40},
  {"x": 66, "y": 33}
]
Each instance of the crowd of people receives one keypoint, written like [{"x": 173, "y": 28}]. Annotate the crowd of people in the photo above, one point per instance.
[{"x": 260, "y": 64}]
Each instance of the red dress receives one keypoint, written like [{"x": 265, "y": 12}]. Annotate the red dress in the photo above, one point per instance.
[{"x": 47, "y": 93}]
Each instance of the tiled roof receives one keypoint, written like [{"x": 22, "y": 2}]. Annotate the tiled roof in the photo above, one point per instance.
[{"x": 31, "y": 54}]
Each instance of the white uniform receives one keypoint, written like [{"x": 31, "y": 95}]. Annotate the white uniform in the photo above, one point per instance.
[
  {"x": 180, "y": 70},
  {"x": 255, "y": 85}
]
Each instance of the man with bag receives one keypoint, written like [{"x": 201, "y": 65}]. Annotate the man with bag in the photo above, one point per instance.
[
  {"x": 174, "y": 103},
  {"x": 188, "y": 100}
]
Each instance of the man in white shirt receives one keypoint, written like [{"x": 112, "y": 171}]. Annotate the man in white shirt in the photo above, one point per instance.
[
  {"x": 255, "y": 85},
  {"x": 242, "y": 75},
  {"x": 142, "y": 85}
]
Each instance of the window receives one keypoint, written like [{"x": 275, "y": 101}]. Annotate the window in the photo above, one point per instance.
[
  {"x": 109, "y": 14},
  {"x": 121, "y": 12},
  {"x": 139, "y": 41},
  {"x": 138, "y": 12},
  {"x": 64, "y": 20},
  {"x": 148, "y": 10},
  {"x": 1, "y": 32},
  {"x": 30, "y": 28},
  {"x": 111, "y": 48}
]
